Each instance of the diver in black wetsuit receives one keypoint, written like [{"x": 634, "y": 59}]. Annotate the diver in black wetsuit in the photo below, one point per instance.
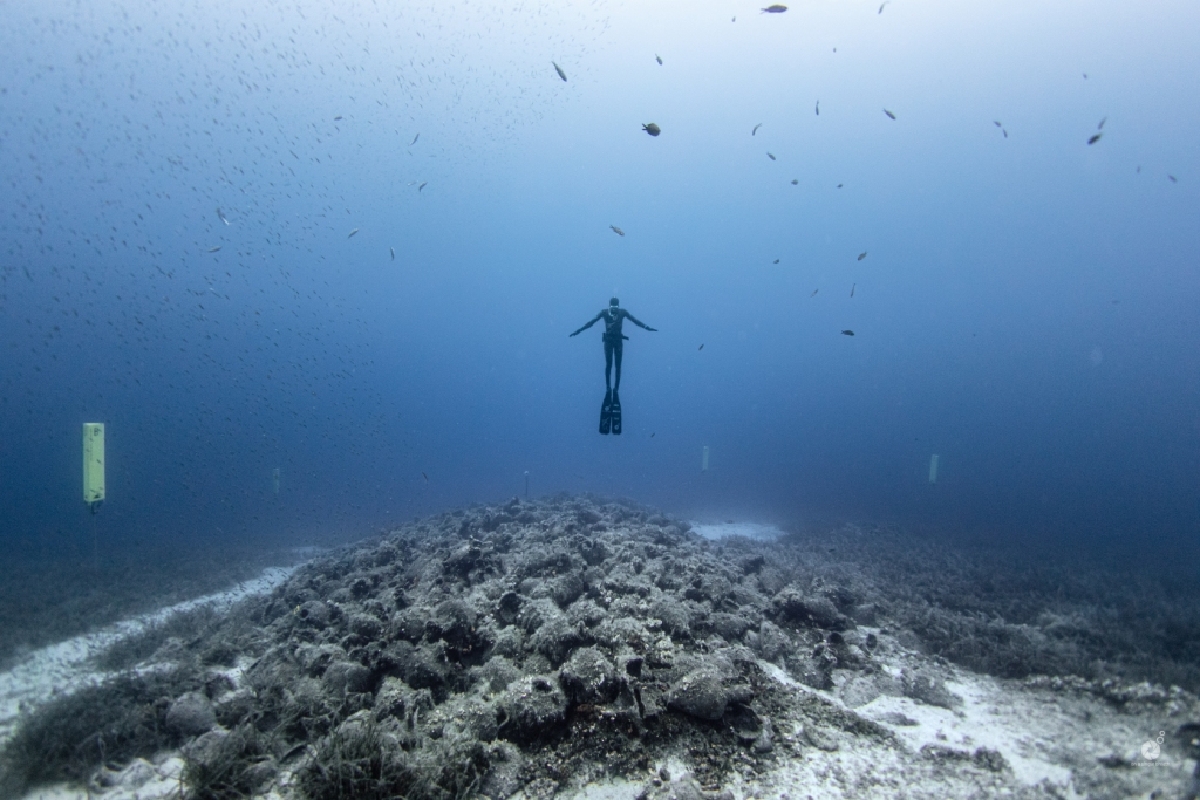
[{"x": 614, "y": 340}]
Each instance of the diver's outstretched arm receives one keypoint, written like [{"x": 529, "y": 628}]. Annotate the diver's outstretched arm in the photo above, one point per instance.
[
  {"x": 638, "y": 322},
  {"x": 590, "y": 323}
]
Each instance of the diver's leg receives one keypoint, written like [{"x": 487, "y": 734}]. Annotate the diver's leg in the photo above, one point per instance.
[
  {"x": 608, "y": 359},
  {"x": 617, "y": 352}
]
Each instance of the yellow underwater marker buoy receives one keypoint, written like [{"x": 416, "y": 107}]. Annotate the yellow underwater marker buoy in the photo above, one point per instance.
[{"x": 93, "y": 464}]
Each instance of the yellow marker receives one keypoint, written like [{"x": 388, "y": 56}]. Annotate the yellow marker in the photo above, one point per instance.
[{"x": 93, "y": 463}]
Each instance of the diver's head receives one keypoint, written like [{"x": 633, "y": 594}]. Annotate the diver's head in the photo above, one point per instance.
[{"x": 614, "y": 302}]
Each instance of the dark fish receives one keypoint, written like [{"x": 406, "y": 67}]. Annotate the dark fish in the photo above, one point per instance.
[
  {"x": 775, "y": 9},
  {"x": 1005, "y": 132},
  {"x": 1100, "y": 127},
  {"x": 882, "y": 7},
  {"x": 651, "y": 435},
  {"x": 659, "y": 60},
  {"x": 701, "y": 347},
  {"x": 818, "y": 108},
  {"x": 847, "y": 332},
  {"x": 337, "y": 119},
  {"x": 1085, "y": 76},
  {"x": 392, "y": 250},
  {"x": 771, "y": 156},
  {"x": 214, "y": 249},
  {"x": 1095, "y": 137},
  {"x": 997, "y": 123},
  {"x": 814, "y": 294},
  {"x": 414, "y": 141},
  {"x": 890, "y": 114},
  {"x": 221, "y": 216},
  {"x": 1172, "y": 179},
  {"x": 862, "y": 255},
  {"x": 422, "y": 186},
  {"x": 426, "y": 477},
  {"x": 352, "y": 232},
  {"x": 652, "y": 129},
  {"x": 852, "y": 289},
  {"x": 617, "y": 230},
  {"x": 840, "y": 185},
  {"x": 776, "y": 261},
  {"x": 754, "y": 130},
  {"x": 558, "y": 69},
  {"x": 795, "y": 181}
]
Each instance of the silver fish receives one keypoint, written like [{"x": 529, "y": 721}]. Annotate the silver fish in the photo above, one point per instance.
[
  {"x": 558, "y": 69},
  {"x": 414, "y": 141},
  {"x": 617, "y": 230},
  {"x": 352, "y": 232},
  {"x": 754, "y": 130}
]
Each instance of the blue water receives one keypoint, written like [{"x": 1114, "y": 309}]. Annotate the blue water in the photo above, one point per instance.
[{"x": 1026, "y": 308}]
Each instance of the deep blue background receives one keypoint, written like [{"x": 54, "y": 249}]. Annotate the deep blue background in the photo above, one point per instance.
[{"x": 1026, "y": 308}]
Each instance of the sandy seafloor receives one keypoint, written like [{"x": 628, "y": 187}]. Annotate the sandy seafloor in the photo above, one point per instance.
[{"x": 1051, "y": 737}]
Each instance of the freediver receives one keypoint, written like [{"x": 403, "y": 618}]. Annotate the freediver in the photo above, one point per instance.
[{"x": 614, "y": 340}]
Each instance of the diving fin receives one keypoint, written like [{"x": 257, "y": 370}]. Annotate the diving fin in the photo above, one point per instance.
[
  {"x": 606, "y": 413},
  {"x": 615, "y": 414}
]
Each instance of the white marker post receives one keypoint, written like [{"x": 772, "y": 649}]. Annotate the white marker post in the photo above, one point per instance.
[
  {"x": 704, "y": 459},
  {"x": 933, "y": 467}
]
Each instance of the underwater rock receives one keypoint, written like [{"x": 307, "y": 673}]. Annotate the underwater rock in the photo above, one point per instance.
[
  {"x": 531, "y": 709},
  {"x": 191, "y": 713},
  {"x": 588, "y": 677}
]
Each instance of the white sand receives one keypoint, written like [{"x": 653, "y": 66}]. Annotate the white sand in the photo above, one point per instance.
[{"x": 63, "y": 668}]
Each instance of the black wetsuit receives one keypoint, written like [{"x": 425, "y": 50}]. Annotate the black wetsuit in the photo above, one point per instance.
[{"x": 613, "y": 339}]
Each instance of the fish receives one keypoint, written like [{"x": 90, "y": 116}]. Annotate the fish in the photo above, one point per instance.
[
  {"x": 775, "y": 9},
  {"x": 776, "y": 261},
  {"x": 890, "y": 114},
  {"x": 1095, "y": 137},
  {"x": 1172, "y": 179},
  {"x": 795, "y": 181},
  {"x": 885, "y": 2},
  {"x": 221, "y": 216},
  {"x": 659, "y": 60},
  {"x": 771, "y": 156},
  {"x": 997, "y": 123},
  {"x": 1005, "y": 132},
  {"x": 652, "y": 129},
  {"x": 651, "y": 434},
  {"x": 352, "y": 232},
  {"x": 862, "y": 255},
  {"x": 1100, "y": 127},
  {"x": 617, "y": 230},
  {"x": 814, "y": 294},
  {"x": 847, "y": 332},
  {"x": 852, "y": 289},
  {"x": 701, "y": 347},
  {"x": 214, "y": 249},
  {"x": 414, "y": 141},
  {"x": 1085, "y": 76},
  {"x": 422, "y": 186},
  {"x": 426, "y": 477},
  {"x": 561, "y": 74},
  {"x": 392, "y": 251},
  {"x": 337, "y": 119},
  {"x": 840, "y": 185},
  {"x": 818, "y": 108},
  {"x": 754, "y": 130}
]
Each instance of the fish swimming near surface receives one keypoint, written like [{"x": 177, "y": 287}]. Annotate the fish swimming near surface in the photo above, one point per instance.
[
  {"x": 617, "y": 230},
  {"x": 771, "y": 156},
  {"x": 852, "y": 289},
  {"x": 883, "y": 6},
  {"x": 337, "y": 118},
  {"x": 701, "y": 347},
  {"x": 214, "y": 249},
  {"x": 890, "y": 114},
  {"x": 422, "y": 186},
  {"x": 652, "y": 129},
  {"x": 840, "y": 185},
  {"x": 1172, "y": 179},
  {"x": 997, "y": 123},
  {"x": 818, "y": 108},
  {"x": 426, "y": 477},
  {"x": 1095, "y": 137},
  {"x": 659, "y": 60},
  {"x": 814, "y": 293},
  {"x": 795, "y": 181},
  {"x": 847, "y": 332},
  {"x": 862, "y": 255},
  {"x": 392, "y": 251},
  {"x": 352, "y": 233},
  {"x": 1100, "y": 127},
  {"x": 776, "y": 261},
  {"x": 754, "y": 130},
  {"x": 221, "y": 216},
  {"x": 775, "y": 9},
  {"x": 414, "y": 141},
  {"x": 558, "y": 69},
  {"x": 1005, "y": 132}
]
